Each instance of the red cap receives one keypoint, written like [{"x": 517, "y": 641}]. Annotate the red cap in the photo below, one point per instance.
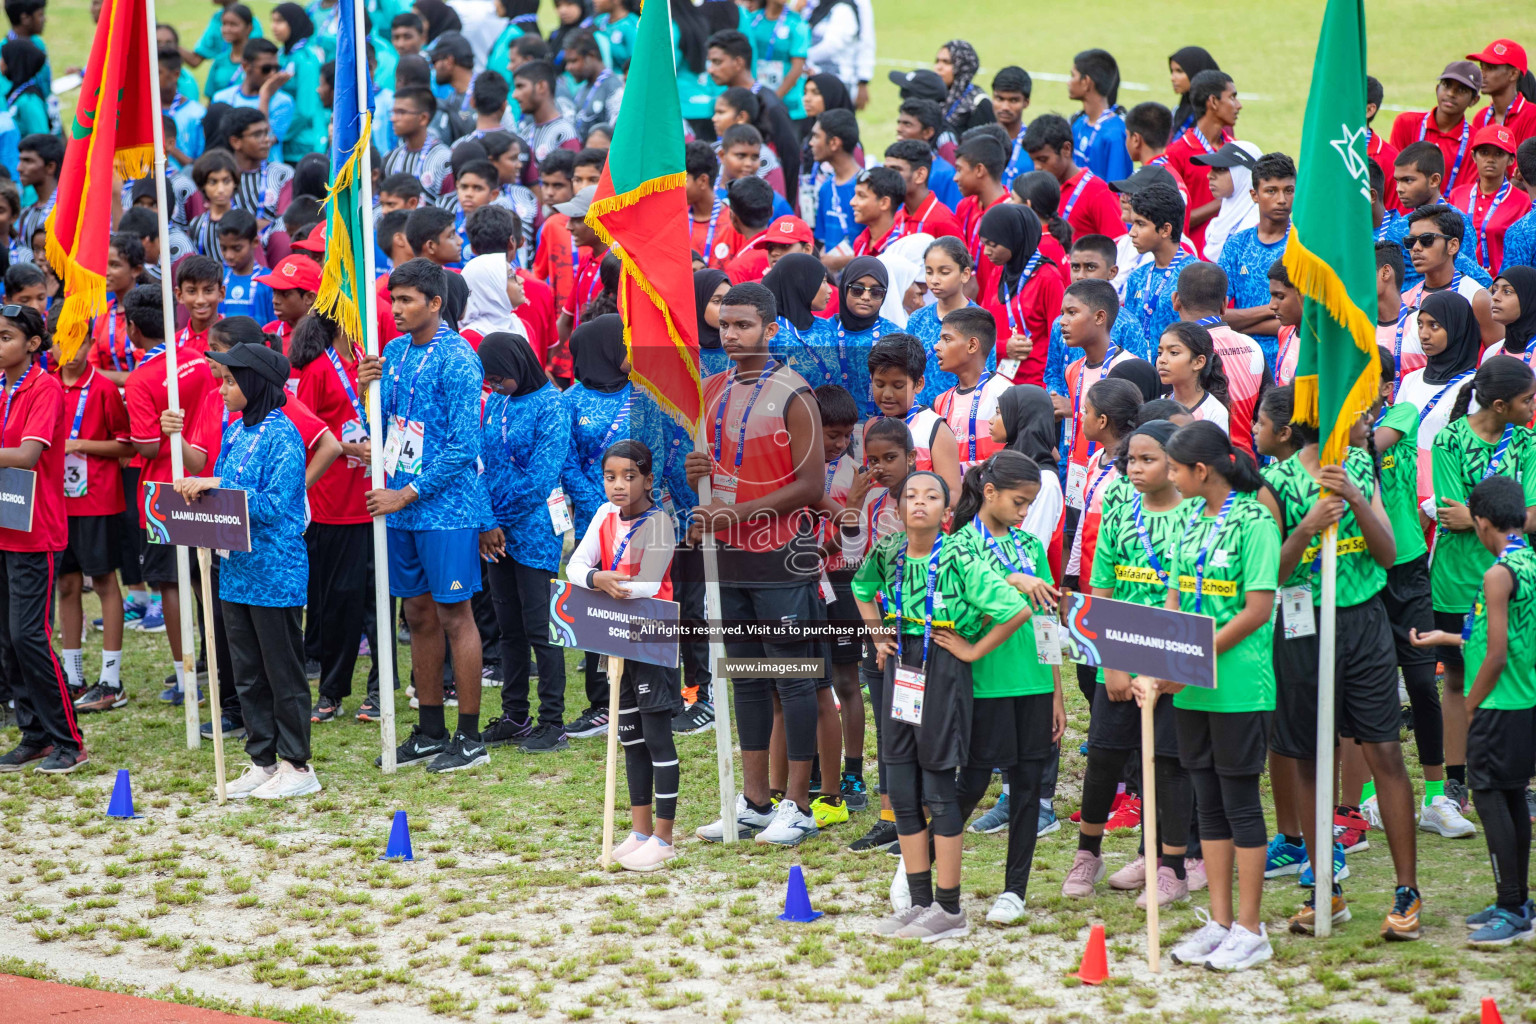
[
  {"x": 787, "y": 231},
  {"x": 1495, "y": 135},
  {"x": 1503, "y": 51},
  {"x": 295, "y": 272},
  {"x": 316, "y": 240}
]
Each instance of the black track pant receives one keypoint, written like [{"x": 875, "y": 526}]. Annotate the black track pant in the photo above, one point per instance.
[
  {"x": 44, "y": 711},
  {"x": 1025, "y": 780},
  {"x": 1507, "y": 828},
  {"x": 520, "y": 596},
  {"x": 267, "y": 648}
]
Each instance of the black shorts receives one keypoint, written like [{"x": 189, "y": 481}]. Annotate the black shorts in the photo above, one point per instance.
[
  {"x": 843, "y": 613},
  {"x": 1365, "y": 705},
  {"x": 1450, "y": 622},
  {"x": 1409, "y": 606},
  {"x": 1228, "y": 743},
  {"x": 1116, "y": 725},
  {"x": 1501, "y": 749},
  {"x": 943, "y": 741},
  {"x": 650, "y": 688},
  {"x": 95, "y": 546},
  {"x": 1006, "y": 731},
  {"x": 157, "y": 562}
]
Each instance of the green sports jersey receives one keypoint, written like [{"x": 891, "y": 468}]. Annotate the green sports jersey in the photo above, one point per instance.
[
  {"x": 967, "y": 591},
  {"x": 1120, "y": 561},
  {"x": 1516, "y": 688},
  {"x": 1360, "y": 578},
  {"x": 1014, "y": 669},
  {"x": 1460, "y": 461},
  {"x": 1244, "y": 557},
  {"x": 1399, "y": 481}
]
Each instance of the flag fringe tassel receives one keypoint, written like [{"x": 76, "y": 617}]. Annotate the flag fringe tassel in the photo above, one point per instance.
[
  {"x": 134, "y": 162},
  {"x": 85, "y": 295},
  {"x": 612, "y": 204},
  {"x": 332, "y": 299}
]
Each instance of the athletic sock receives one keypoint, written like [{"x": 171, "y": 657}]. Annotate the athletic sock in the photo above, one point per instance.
[
  {"x": 469, "y": 725},
  {"x": 949, "y": 899},
  {"x": 886, "y": 814},
  {"x": 431, "y": 719},
  {"x": 920, "y": 886},
  {"x": 74, "y": 666},
  {"x": 1432, "y": 789},
  {"x": 853, "y": 766},
  {"x": 1093, "y": 844},
  {"x": 181, "y": 675},
  {"x": 1173, "y": 862},
  {"x": 112, "y": 667},
  {"x": 766, "y": 808},
  {"x": 1457, "y": 772},
  {"x": 1293, "y": 840}
]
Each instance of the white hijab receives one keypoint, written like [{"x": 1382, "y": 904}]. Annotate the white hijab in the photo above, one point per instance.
[
  {"x": 488, "y": 309},
  {"x": 1238, "y": 211},
  {"x": 903, "y": 261}
]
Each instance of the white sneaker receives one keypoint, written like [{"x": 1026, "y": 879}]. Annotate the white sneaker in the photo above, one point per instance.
[
  {"x": 790, "y": 826},
  {"x": 748, "y": 823},
  {"x": 252, "y": 779},
  {"x": 1008, "y": 909},
  {"x": 630, "y": 845},
  {"x": 1240, "y": 950},
  {"x": 1370, "y": 810},
  {"x": 1197, "y": 948},
  {"x": 901, "y": 895},
  {"x": 288, "y": 781},
  {"x": 1443, "y": 816}
]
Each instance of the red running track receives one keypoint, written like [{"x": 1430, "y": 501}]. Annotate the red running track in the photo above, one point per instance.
[{"x": 25, "y": 1001}]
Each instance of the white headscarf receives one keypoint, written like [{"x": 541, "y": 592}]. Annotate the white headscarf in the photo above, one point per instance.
[
  {"x": 903, "y": 261},
  {"x": 1238, "y": 211},
  {"x": 488, "y": 309}
]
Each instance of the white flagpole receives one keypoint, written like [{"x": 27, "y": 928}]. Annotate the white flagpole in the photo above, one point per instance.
[
  {"x": 1323, "y": 820},
  {"x": 712, "y": 618},
  {"x": 168, "y": 308},
  {"x": 385, "y": 629}
]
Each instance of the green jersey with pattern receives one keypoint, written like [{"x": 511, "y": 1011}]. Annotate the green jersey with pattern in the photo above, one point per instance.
[
  {"x": 1360, "y": 577},
  {"x": 1460, "y": 461},
  {"x": 1400, "y": 481},
  {"x": 1244, "y": 557},
  {"x": 967, "y": 592},
  {"x": 1516, "y": 688},
  {"x": 1121, "y": 562},
  {"x": 1014, "y": 669}
]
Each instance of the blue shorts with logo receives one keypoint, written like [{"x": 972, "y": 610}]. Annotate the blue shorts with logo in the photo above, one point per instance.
[{"x": 444, "y": 563}]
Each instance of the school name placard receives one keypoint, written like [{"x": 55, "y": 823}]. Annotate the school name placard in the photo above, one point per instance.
[
  {"x": 17, "y": 487},
  {"x": 590, "y": 620},
  {"x": 1130, "y": 637},
  {"x": 219, "y": 519}
]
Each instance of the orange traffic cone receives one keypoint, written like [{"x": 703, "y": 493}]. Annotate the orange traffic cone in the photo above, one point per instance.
[
  {"x": 1491, "y": 1011},
  {"x": 1095, "y": 966}
]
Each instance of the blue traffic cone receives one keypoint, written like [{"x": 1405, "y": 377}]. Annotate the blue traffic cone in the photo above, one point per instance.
[
  {"x": 399, "y": 847},
  {"x": 797, "y": 902},
  {"x": 121, "y": 804}
]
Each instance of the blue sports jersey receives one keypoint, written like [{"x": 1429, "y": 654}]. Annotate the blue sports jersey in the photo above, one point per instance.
[
  {"x": 246, "y": 296},
  {"x": 1148, "y": 298},
  {"x": 924, "y": 325},
  {"x": 1100, "y": 146},
  {"x": 267, "y": 462},
  {"x": 525, "y": 441},
  {"x": 834, "y": 213},
  {"x": 1247, "y": 261},
  {"x": 1520, "y": 242}
]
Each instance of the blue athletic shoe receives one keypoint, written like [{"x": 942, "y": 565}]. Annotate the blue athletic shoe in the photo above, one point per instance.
[
  {"x": 995, "y": 820},
  {"x": 1048, "y": 822},
  {"x": 1340, "y": 869},
  {"x": 1485, "y": 916},
  {"x": 174, "y": 697},
  {"x": 1505, "y": 927},
  {"x": 1284, "y": 858},
  {"x": 153, "y": 621}
]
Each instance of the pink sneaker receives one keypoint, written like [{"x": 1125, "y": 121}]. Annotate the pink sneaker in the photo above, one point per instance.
[
  {"x": 1131, "y": 877},
  {"x": 651, "y": 856},
  {"x": 1170, "y": 889},
  {"x": 1194, "y": 873},
  {"x": 1086, "y": 871},
  {"x": 630, "y": 845}
]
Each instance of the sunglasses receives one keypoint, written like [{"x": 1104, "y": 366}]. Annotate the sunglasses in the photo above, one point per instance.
[
  {"x": 11, "y": 311},
  {"x": 872, "y": 290},
  {"x": 1426, "y": 240}
]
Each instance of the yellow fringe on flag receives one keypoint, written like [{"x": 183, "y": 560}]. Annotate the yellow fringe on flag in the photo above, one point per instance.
[
  {"x": 628, "y": 268},
  {"x": 340, "y": 290},
  {"x": 85, "y": 295},
  {"x": 135, "y": 162}
]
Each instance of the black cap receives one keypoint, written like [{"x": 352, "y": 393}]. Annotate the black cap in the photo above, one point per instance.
[
  {"x": 1229, "y": 155},
  {"x": 272, "y": 366},
  {"x": 453, "y": 44},
  {"x": 920, "y": 83},
  {"x": 1141, "y": 179}
]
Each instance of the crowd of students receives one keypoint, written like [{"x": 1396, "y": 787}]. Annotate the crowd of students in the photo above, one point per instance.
[{"x": 941, "y": 387}]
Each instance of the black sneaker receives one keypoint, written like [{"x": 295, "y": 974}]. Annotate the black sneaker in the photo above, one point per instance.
[
  {"x": 62, "y": 761},
  {"x": 490, "y": 674},
  {"x": 696, "y": 717},
  {"x": 311, "y": 668},
  {"x": 545, "y": 739},
  {"x": 460, "y": 754},
  {"x": 1457, "y": 791},
  {"x": 327, "y": 709},
  {"x": 101, "y": 697},
  {"x": 24, "y": 754},
  {"x": 234, "y": 729},
  {"x": 417, "y": 749},
  {"x": 369, "y": 711},
  {"x": 501, "y": 730},
  {"x": 853, "y": 791},
  {"x": 450, "y": 694},
  {"x": 593, "y": 722},
  {"x": 881, "y": 836}
]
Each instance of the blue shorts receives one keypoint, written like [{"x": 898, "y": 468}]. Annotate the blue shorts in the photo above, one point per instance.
[{"x": 444, "y": 563}]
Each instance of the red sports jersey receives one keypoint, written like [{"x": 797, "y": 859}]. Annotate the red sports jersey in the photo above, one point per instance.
[
  {"x": 1181, "y": 153},
  {"x": 864, "y": 245},
  {"x": 555, "y": 257},
  {"x": 1101, "y": 472},
  {"x": 1419, "y": 126},
  {"x": 147, "y": 396},
  {"x": 932, "y": 218},
  {"x": 95, "y": 404},
  {"x": 1242, "y": 360},
  {"x": 838, "y": 482},
  {"x": 1492, "y": 214},
  {"x": 715, "y": 238},
  {"x": 1385, "y": 155},
  {"x": 383, "y": 312},
  {"x": 1052, "y": 250},
  {"x": 34, "y": 411},
  {"x": 1080, "y": 378},
  {"x": 110, "y": 347},
  {"x": 337, "y": 497},
  {"x": 969, "y": 415},
  {"x": 205, "y": 431},
  {"x": 751, "y": 435},
  {"x": 1520, "y": 118},
  {"x": 587, "y": 286},
  {"x": 1030, "y": 311},
  {"x": 538, "y": 314},
  {"x": 1089, "y": 206},
  {"x": 614, "y": 530},
  {"x": 1289, "y": 351},
  {"x": 970, "y": 212},
  {"x": 750, "y": 262}
]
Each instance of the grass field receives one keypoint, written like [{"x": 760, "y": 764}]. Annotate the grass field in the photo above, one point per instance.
[{"x": 286, "y": 912}]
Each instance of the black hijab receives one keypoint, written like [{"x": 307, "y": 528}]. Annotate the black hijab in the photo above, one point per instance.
[
  {"x": 1463, "y": 336},
  {"x": 794, "y": 281},
  {"x": 1517, "y": 335},
  {"x": 597, "y": 348},
  {"x": 1031, "y": 422},
  {"x": 1191, "y": 60},
  {"x": 439, "y": 17},
  {"x": 833, "y": 92},
  {"x": 509, "y": 356},
  {"x": 24, "y": 60},
  {"x": 862, "y": 266},
  {"x": 261, "y": 395},
  {"x": 455, "y": 299},
  {"x": 300, "y": 27},
  {"x": 1017, "y": 228},
  {"x": 705, "y": 283},
  {"x": 1140, "y": 373}
]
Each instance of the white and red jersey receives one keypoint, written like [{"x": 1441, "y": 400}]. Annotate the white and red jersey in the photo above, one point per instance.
[
  {"x": 640, "y": 548},
  {"x": 839, "y": 480},
  {"x": 1047, "y": 517},
  {"x": 922, "y": 428},
  {"x": 1434, "y": 402},
  {"x": 1101, "y": 471},
  {"x": 969, "y": 412},
  {"x": 1242, "y": 360},
  {"x": 1401, "y": 338},
  {"x": 877, "y": 519},
  {"x": 1492, "y": 214},
  {"x": 1080, "y": 378},
  {"x": 1210, "y": 408},
  {"x": 1461, "y": 284},
  {"x": 744, "y": 426},
  {"x": 1285, "y": 358}
]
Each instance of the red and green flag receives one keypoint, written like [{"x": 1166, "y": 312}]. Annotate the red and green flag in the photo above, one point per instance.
[
  {"x": 640, "y": 210},
  {"x": 112, "y": 129},
  {"x": 1330, "y": 255}
]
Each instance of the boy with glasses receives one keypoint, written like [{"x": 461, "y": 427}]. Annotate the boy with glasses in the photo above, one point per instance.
[
  {"x": 1432, "y": 243},
  {"x": 260, "y": 88}
]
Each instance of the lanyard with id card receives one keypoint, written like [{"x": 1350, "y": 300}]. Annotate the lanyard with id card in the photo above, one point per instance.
[
  {"x": 724, "y": 484},
  {"x": 76, "y": 469},
  {"x": 910, "y": 683},
  {"x": 405, "y": 447},
  {"x": 559, "y": 510},
  {"x": 1296, "y": 618}
]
